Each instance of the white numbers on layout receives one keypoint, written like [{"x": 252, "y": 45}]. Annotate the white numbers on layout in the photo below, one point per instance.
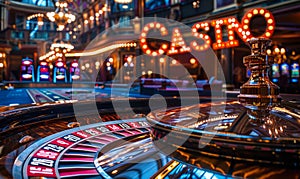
[
  {"x": 44, "y": 162},
  {"x": 72, "y": 138},
  {"x": 53, "y": 147},
  {"x": 143, "y": 124},
  {"x": 92, "y": 132},
  {"x": 124, "y": 126},
  {"x": 50, "y": 155},
  {"x": 39, "y": 170},
  {"x": 103, "y": 129},
  {"x": 63, "y": 142}
]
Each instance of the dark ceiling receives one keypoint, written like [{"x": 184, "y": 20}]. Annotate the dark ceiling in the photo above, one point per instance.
[{"x": 287, "y": 30}]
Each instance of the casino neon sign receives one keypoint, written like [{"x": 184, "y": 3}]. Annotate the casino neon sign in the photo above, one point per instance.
[{"x": 178, "y": 44}]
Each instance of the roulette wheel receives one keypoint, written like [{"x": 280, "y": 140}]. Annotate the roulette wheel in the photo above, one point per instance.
[{"x": 255, "y": 137}]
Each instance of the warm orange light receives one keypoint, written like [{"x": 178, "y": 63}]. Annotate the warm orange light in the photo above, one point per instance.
[
  {"x": 229, "y": 23},
  {"x": 61, "y": 16},
  {"x": 270, "y": 27},
  {"x": 143, "y": 41},
  {"x": 262, "y": 12},
  {"x": 267, "y": 15},
  {"x": 192, "y": 61},
  {"x": 178, "y": 43},
  {"x": 203, "y": 41},
  {"x": 164, "y": 46},
  {"x": 270, "y": 21},
  {"x": 204, "y": 37}
]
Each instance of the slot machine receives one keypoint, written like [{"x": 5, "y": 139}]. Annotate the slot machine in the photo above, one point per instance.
[
  {"x": 43, "y": 72},
  {"x": 275, "y": 73},
  {"x": 295, "y": 72},
  {"x": 59, "y": 72},
  {"x": 285, "y": 69},
  {"x": 27, "y": 70},
  {"x": 74, "y": 71}
]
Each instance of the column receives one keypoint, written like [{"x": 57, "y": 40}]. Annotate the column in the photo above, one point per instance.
[
  {"x": 226, "y": 62},
  {"x": 4, "y": 18}
]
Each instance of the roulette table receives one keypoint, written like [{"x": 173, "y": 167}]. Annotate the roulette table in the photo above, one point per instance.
[
  {"x": 58, "y": 146},
  {"x": 257, "y": 136},
  {"x": 138, "y": 146}
]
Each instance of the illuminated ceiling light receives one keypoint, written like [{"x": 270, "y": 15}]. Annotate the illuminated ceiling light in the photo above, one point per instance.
[
  {"x": 62, "y": 46},
  {"x": 282, "y": 51},
  {"x": 196, "y": 4},
  {"x": 60, "y": 49},
  {"x": 39, "y": 18},
  {"x": 61, "y": 16},
  {"x": 35, "y": 16}
]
